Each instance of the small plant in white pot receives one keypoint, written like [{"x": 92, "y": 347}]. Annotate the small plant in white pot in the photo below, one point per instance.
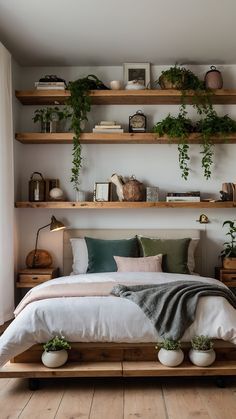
[
  {"x": 170, "y": 352},
  {"x": 202, "y": 353},
  {"x": 55, "y": 352}
]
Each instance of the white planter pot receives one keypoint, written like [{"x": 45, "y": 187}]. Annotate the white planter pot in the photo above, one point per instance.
[
  {"x": 54, "y": 359},
  {"x": 170, "y": 358},
  {"x": 202, "y": 358}
]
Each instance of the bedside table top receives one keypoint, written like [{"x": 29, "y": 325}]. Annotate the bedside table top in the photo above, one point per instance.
[{"x": 39, "y": 271}]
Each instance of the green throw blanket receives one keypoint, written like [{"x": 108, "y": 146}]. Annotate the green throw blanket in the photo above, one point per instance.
[{"x": 171, "y": 306}]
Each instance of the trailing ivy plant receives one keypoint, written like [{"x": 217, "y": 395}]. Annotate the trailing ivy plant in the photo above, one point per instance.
[
  {"x": 80, "y": 102},
  {"x": 209, "y": 126},
  {"x": 177, "y": 127}
]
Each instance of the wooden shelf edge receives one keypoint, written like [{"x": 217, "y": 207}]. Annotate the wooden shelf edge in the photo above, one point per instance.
[
  {"x": 123, "y": 205},
  {"x": 112, "y": 138},
  {"x": 122, "y": 97},
  {"x": 114, "y": 369}
]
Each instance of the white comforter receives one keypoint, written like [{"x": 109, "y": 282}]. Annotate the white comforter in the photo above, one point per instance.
[{"x": 109, "y": 319}]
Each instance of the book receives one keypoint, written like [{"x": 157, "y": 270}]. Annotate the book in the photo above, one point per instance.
[
  {"x": 107, "y": 126},
  {"x": 49, "y": 83},
  {"x": 191, "y": 193},
  {"x": 50, "y": 88},
  {"x": 107, "y": 123},
  {"x": 183, "y": 198},
  {"x": 108, "y": 130}
]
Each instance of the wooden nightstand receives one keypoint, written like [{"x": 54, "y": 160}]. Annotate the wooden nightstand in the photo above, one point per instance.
[
  {"x": 227, "y": 276},
  {"x": 29, "y": 278}
]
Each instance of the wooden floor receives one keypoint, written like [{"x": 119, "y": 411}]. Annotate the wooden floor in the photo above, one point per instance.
[{"x": 118, "y": 398}]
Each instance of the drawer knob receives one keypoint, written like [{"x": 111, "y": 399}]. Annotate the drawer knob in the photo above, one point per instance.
[{"x": 34, "y": 277}]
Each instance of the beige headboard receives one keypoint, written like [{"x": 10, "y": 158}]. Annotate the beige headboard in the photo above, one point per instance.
[{"x": 123, "y": 234}]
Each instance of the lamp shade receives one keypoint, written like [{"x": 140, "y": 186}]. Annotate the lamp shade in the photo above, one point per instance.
[{"x": 56, "y": 225}]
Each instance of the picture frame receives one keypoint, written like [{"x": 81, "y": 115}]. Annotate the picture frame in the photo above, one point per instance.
[
  {"x": 137, "y": 71},
  {"x": 102, "y": 191}
]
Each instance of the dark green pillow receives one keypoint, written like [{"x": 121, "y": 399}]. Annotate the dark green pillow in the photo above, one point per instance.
[
  {"x": 101, "y": 252},
  {"x": 175, "y": 252}
]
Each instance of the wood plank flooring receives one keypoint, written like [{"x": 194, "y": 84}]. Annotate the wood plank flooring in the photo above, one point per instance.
[{"x": 118, "y": 398}]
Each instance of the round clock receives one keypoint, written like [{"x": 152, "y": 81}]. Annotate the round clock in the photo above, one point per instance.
[{"x": 137, "y": 122}]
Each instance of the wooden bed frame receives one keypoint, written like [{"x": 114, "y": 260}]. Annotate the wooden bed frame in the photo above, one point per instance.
[{"x": 119, "y": 359}]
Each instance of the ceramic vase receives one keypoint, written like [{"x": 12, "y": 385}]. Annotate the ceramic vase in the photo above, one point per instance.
[
  {"x": 202, "y": 358},
  {"x": 170, "y": 358},
  {"x": 54, "y": 359}
]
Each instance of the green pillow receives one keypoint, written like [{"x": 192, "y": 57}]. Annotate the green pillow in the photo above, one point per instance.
[
  {"x": 175, "y": 252},
  {"x": 101, "y": 252}
]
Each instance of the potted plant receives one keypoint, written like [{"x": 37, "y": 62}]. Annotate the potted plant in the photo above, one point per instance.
[
  {"x": 80, "y": 102},
  {"x": 228, "y": 254},
  {"x": 55, "y": 352},
  {"x": 49, "y": 117},
  {"x": 177, "y": 127},
  {"x": 170, "y": 352},
  {"x": 202, "y": 353}
]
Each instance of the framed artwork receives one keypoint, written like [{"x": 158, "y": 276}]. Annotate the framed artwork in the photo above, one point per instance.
[
  {"x": 102, "y": 191},
  {"x": 137, "y": 71}
]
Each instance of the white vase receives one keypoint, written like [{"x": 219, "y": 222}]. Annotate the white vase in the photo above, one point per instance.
[
  {"x": 202, "y": 358},
  {"x": 170, "y": 358},
  {"x": 54, "y": 359},
  {"x": 80, "y": 196}
]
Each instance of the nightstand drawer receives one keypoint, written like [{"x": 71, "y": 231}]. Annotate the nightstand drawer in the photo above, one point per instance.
[
  {"x": 34, "y": 278},
  {"x": 228, "y": 276}
]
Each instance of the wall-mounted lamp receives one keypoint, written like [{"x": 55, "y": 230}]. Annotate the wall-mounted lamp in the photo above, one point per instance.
[
  {"x": 203, "y": 219},
  {"x": 39, "y": 258}
]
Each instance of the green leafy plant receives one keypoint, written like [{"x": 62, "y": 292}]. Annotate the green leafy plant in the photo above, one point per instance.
[
  {"x": 181, "y": 78},
  {"x": 80, "y": 102},
  {"x": 230, "y": 245},
  {"x": 209, "y": 126},
  {"x": 169, "y": 345},
  {"x": 201, "y": 343},
  {"x": 56, "y": 344},
  {"x": 177, "y": 127},
  {"x": 47, "y": 114}
]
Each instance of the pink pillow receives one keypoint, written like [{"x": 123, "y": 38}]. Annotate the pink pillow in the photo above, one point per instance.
[{"x": 145, "y": 264}]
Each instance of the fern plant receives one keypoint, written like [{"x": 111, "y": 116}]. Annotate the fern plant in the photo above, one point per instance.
[
  {"x": 56, "y": 344},
  {"x": 169, "y": 345},
  {"x": 201, "y": 343}
]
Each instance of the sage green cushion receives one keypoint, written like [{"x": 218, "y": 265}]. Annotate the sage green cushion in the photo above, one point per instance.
[
  {"x": 101, "y": 252},
  {"x": 175, "y": 252}
]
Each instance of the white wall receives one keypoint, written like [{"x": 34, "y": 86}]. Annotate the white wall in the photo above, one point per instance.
[{"x": 152, "y": 164}]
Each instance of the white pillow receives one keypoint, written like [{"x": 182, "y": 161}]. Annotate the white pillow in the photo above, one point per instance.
[{"x": 80, "y": 256}]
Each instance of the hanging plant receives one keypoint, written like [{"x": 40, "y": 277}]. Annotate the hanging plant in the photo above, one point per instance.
[
  {"x": 177, "y": 127},
  {"x": 210, "y": 126},
  {"x": 80, "y": 102}
]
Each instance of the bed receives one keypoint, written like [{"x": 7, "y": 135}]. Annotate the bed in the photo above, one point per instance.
[{"x": 112, "y": 336}]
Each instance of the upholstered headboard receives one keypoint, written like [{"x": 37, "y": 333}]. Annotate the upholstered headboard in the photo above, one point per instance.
[{"x": 126, "y": 233}]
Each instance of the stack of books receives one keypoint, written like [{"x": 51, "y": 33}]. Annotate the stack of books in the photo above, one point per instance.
[
  {"x": 108, "y": 127},
  {"x": 192, "y": 196},
  {"x": 50, "y": 85}
]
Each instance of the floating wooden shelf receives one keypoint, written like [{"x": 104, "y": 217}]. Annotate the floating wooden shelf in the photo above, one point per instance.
[
  {"x": 123, "y": 205},
  {"x": 122, "y": 97},
  {"x": 112, "y": 138}
]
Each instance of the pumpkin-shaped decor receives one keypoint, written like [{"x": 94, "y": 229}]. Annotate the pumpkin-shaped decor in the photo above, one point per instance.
[{"x": 133, "y": 190}]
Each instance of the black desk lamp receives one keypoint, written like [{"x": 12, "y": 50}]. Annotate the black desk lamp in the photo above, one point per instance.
[{"x": 31, "y": 259}]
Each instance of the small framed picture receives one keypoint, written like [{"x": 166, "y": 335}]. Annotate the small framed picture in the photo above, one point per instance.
[
  {"x": 102, "y": 191},
  {"x": 137, "y": 71}
]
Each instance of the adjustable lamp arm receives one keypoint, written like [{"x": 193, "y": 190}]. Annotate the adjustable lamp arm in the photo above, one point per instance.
[{"x": 36, "y": 244}]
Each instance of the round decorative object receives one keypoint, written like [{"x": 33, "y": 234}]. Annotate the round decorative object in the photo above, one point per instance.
[
  {"x": 137, "y": 122},
  {"x": 202, "y": 358},
  {"x": 56, "y": 193},
  {"x": 213, "y": 79},
  {"x": 54, "y": 359},
  {"x": 170, "y": 358},
  {"x": 43, "y": 259},
  {"x": 133, "y": 190}
]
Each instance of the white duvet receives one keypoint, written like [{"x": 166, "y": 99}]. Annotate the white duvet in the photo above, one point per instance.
[{"x": 109, "y": 319}]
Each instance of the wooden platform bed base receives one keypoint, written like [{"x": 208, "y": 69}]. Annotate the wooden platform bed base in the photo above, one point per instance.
[{"x": 117, "y": 360}]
